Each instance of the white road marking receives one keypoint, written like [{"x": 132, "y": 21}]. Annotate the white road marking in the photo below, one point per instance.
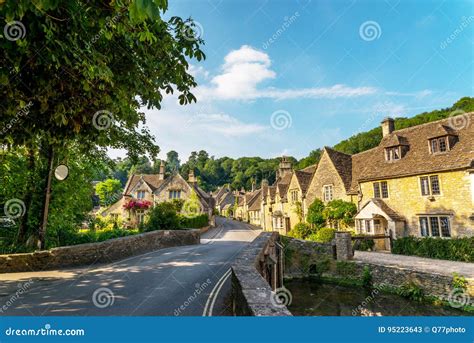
[{"x": 215, "y": 291}]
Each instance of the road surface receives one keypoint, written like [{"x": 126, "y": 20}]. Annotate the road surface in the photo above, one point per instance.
[{"x": 179, "y": 281}]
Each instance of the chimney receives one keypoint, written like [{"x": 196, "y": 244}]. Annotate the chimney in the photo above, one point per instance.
[
  {"x": 284, "y": 167},
  {"x": 191, "y": 177},
  {"x": 253, "y": 186},
  {"x": 161, "y": 174},
  {"x": 388, "y": 126},
  {"x": 264, "y": 183}
]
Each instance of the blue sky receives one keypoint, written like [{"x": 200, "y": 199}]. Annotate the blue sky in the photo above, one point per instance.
[{"x": 331, "y": 69}]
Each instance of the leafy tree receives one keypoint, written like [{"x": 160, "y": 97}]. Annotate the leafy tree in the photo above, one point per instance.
[
  {"x": 99, "y": 63},
  {"x": 172, "y": 161},
  {"x": 340, "y": 213},
  {"x": 108, "y": 191},
  {"x": 162, "y": 217},
  {"x": 315, "y": 215}
]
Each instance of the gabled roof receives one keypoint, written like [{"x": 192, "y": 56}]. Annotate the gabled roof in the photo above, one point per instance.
[
  {"x": 304, "y": 178},
  {"x": 371, "y": 164},
  {"x": 254, "y": 203},
  {"x": 385, "y": 208},
  {"x": 343, "y": 164},
  {"x": 152, "y": 181},
  {"x": 394, "y": 140}
]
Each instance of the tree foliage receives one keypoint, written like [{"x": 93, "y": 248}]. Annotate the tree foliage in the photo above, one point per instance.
[{"x": 108, "y": 191}]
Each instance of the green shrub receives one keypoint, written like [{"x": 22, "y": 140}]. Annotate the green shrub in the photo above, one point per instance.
[
  {"x": 162, "y": 217},
  {"x": 196, "y": 222},
  {"x": 459, "y": 281},
  {"x": 324, "y": 235},
  {"x": 315, "y": 213},
  {"x": 364, "y": 245},
  {"x": 455, "y": 249},
  {"x": 301, "y": 231},
  {"x": 366, "y": 277},
  {"x": 411, "y": 291},
  {"x": 340, "y": 212}
]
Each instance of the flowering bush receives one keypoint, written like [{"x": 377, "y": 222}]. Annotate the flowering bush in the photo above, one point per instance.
[{"x": 137, "y": 204}]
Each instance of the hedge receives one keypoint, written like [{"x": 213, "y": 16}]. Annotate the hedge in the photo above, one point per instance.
[
  {"x": 196, "y": 222},
  {"x": 454, "y": 249}
]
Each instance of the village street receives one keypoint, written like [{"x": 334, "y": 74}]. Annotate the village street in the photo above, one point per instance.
[{"x": 170, "y": 282}]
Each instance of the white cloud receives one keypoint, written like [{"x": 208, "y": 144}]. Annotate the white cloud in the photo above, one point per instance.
[
  {"x": 246, "y": 68},
  {"x": 225, "y": 124},
  {"x": 198, "y": 71}
]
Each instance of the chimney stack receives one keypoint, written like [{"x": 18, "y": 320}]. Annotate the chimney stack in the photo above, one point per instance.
[
  {"x": 161, "y": 174},
  {"x": 253, "y": 186},
  {"x": 388, "y": 126},
  {"x": 264, "y": 183},
  {"x": 284, "y": 167},
  {"x": 191, "y": 177}
]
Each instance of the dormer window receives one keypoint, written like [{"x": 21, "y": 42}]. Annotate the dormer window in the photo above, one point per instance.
[
  {"x": 439, "y": 144},
  {"x": 393, "y": 153},
  {"x": 141, "y": 195}
]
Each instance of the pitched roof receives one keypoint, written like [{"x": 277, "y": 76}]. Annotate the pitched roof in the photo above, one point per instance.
[
  {"x": 152, "y": 180},
  {"x": 343, "y": 164},
  {"x": 304, "y": 178},
  {"x": 385, "y": 208},
  {"x": 254, "y": 203},
  {"x": 371, "y": 164}
]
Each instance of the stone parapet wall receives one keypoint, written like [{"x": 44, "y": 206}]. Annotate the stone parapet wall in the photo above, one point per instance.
[
  {"x": 251, "y": 291},
  {"x": 310, "y": 259},
  {"x": 102, "y": 252}
]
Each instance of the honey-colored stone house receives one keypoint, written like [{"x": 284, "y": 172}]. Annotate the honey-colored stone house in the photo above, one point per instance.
[
  {"x": 156, "y": 188},
  {"x": 418, "y": 181}
]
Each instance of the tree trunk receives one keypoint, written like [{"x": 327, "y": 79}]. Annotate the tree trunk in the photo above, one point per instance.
[
  {"x": 47, "y": 196},
  {"x": 30, "y": 190}
]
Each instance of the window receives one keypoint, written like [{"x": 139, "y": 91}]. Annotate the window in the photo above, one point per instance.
[
  {"x": 384, "y": 187},
  {"x": 294, "y": 196},
  {"x": 392, "y": 154},
  {"x": 435, "y": 226},
  {"x": 368, "y": 227},
  {"x": 381, "y": 189},
  {"x": 377, "y": 224},
  {"x": 376, "y": 190},
  {"x": 425, "y": 185},
  {"x": 434, "y": 181},
  {"x": 439, "y": 145},
  {"x": 328, "y": 193},
  {"x": 141, "y": 195},
  {"x": 430, "y": 185},
  {"x": 175, "y": 194},
  {"x": 424, "y": 230},
  {"x": 140, "y": 216}
]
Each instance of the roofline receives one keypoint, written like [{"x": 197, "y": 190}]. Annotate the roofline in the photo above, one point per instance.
[{"x": 468, "y": 168}]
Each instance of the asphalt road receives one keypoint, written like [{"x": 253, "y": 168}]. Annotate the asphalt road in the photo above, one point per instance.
[{"x": 181, "y": 281}]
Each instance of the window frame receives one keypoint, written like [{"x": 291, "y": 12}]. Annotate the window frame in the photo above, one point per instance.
[
  {"x": 428, "y": 179},
  {"x": 328, "y": 189},
  {"x": 143, "y": 193},
  {"x": 437, "y": 220},
  {"x": 382, "y": 188},
  {"x": 436, "y": 143}
]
